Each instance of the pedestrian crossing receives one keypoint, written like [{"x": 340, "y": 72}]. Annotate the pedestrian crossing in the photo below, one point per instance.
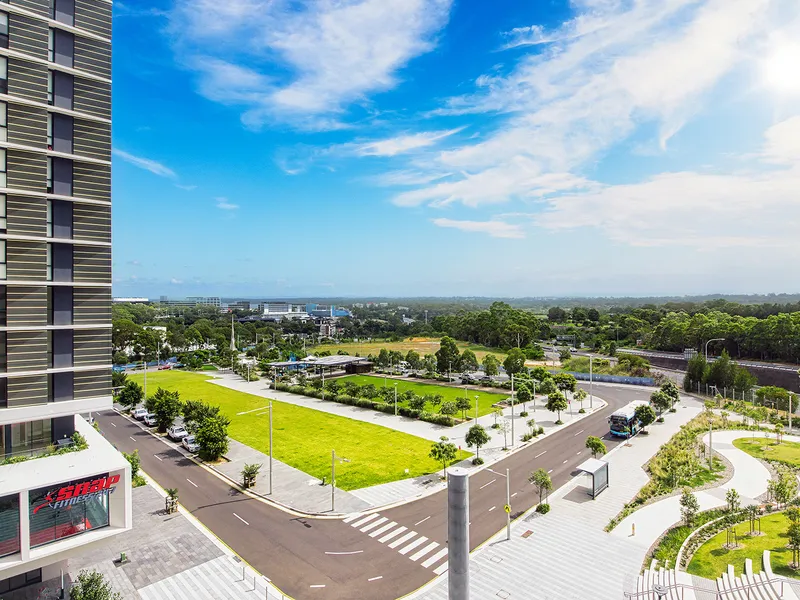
[{"x": 417, "y": 548}]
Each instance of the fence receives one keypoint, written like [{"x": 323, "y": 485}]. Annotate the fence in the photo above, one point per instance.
[{"x": 648, "y": 381}]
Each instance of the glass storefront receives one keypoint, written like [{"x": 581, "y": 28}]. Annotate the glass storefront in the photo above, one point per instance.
[
  {"x": 9, "y": 525},
  {"x": 27, "y": 439},
  {"x": 20, "y": 581},
  {"x": 70, "y": 508}
]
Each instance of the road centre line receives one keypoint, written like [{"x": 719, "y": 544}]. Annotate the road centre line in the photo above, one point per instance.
[
  {"x": 490, "y": 483},
  {"x": 242, "y": 520},
  {"x": 580, "y": 432},
  {"x": 113, "y": 424},
  {"x": 491, "y": 509},
  {"x": 375, "y": 578},
  {"x": 514, "y": 494},
  {"x": 540, "y": 454},
  {"x": 192, "y": 482},
  {"x": 133, "y": 438},
  {"x": 423, "y": 520},
  {"x": 565, "y": 462},
  {"x": 550, "y": 471},
  {"x": 319, "y": 585},
  {"x": 344, "y": 553},
  {"x": 158, "y": 457}
]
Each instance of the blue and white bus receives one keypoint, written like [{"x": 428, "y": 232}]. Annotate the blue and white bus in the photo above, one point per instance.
[{"x": 623, "y": 422}]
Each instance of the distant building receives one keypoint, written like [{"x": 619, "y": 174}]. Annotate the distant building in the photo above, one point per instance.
[
  {"x": 408, "y": 320},
  {"x": 405, "y": 308},
  {"x": 240, "y": 305},
  {"x": 277, "y": 311},
  {"x": 131, "y": 300},
  {"x": 191, "y": 301},
  {"x": 326, "y": 310}
]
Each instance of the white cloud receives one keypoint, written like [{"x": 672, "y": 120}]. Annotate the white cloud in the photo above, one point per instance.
[
  {"x": 145, "y": 163},
  {"x": 403, "y": 143},
  {"x": 496, "y": 229},
  {"x": 186, "y": 188},
  {"x": 224, "y": 204},
  {"x": 783, "y": 142},
  {"x": 305, "y": 61},
  {"x": 174, "y": 281}
]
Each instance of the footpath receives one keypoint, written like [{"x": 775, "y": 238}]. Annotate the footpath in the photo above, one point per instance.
[{"x": 298, "y": 490}]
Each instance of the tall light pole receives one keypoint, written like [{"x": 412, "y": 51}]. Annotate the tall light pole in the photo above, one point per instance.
[
  {"x": 508, "y": 504},
  {"x": 512, "y": 409},
  {"x": 395, "y": 399},
  {"x": 476, "y": 409},
  {"x": 270, "y": 446},
  {"x": 712, "y": 340},
  {"x": 333, "y": 477},
  {"x": 591, "y": 384}
]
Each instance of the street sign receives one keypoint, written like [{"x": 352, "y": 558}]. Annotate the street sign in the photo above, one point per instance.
[{"x": 507, "y": 508}]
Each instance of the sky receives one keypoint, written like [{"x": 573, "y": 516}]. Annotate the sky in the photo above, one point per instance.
[{"x": 285, "y": 148}]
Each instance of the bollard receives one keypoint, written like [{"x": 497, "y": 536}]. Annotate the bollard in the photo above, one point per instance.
[
  {"x": 458, "y": 534},
  {"x": 633, "y": 529}
]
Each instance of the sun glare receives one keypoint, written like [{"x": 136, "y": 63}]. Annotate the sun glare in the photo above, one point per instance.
[{"x": 782, "y": 68}]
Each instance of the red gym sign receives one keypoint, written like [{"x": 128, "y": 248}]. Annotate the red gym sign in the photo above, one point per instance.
[{"x": 79, "y": 492}]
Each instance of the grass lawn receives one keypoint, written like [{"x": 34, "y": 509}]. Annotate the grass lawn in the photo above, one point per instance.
[
  {"x": 768, "y": 448},
  {"x": 304, "y": 438},
  {"x": 485, "y": 400},
  {"x": 423, "y": 345},
  {"x": 711, "y": 559}
]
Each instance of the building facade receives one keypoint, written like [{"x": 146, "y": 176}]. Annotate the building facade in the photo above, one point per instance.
[{"x": 55, "y": 286}]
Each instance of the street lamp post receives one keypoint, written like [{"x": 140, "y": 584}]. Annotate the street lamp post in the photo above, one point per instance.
[
  {"x": 591, "y": 384},
  {"x": 512, "y": 409},
  {"x": 395, "y": 399},
  {"x": 712, "y": 340},
  {"x": 333, "y": 477},
  {"x": 476, "y": 409}
]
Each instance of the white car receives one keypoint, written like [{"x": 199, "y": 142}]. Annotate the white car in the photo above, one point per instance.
[
  {"x": 177, "y": 432},
  {"x": 150, "y": 420},
  {"x": 190, "y": 444},
  {"x": 139, "y": 413}
]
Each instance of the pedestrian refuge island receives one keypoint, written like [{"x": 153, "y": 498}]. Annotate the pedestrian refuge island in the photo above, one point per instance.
[{"x": 598, "y": 469}]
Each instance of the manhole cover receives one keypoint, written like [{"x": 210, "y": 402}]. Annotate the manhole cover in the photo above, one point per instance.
[
  {"x": 503, "y": 594},
  {"x": 527, "y": 534},
  {"x": 496, "y": 559}
]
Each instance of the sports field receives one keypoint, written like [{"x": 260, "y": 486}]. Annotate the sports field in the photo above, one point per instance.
[
  {"x": 485, "y": 399},
  {"x": 423, "y": 345},
  {"x": 303, "y": 438}
]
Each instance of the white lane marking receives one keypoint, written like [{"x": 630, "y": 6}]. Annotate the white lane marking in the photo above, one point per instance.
[
  {"x": 241, "y": 519},
  {"x": 417, "y": 542},
  {"x": 392, "y": 534},
  {"x": 420, "y": 553},
  {"x": 375, "y": 578},
  {"x": 383, "y": 529},
  {"x": 319, "y": 585},
  {"x": 565, "y": 462},
  {"x": 485, "y": 484},
  {"x": 352, "y": 517},
  {"x": 158, "y": 457},
  {"x": 580, "y": 432},
  {"x": 514, "y": 494},
  {"x": 491, "y": 509},
  {"x": 254, "y": 410},
  {"x": 402, "y": 540},
  {"x": 361, "y": 522},
  {"x": 441, "y": 568},
  {"x": 423, "y": 520},
  {"x": 133, "y": 438},
  {"x": 344, "y": 553},
  {"x": 550, "y": 471},
  {"x": 192, "y": 482},
  {"x": 374, "y": 524},
  {"x": 495, "y": 472},
  {"x": 540, "y": 454},
  {"x": 578, "y": 454},
  {"x": 113, "y": 424},
  {"x": 429, "y": 562}
]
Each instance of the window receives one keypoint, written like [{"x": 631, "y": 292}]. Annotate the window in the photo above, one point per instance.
[
  {"x": 20, "y": 581},
  {"x": 49, "y": 262},
  {"x": 59, "y": 219},
  {"x": 9, "y": 522},
  {"x": 3, "y": 122},
  {"x": 29, "y": 439},
  {"x": 59, "y": 176},
  {"x": 3, "y": 351},
  {"x": 63, "y": 11},
  {"x": 61, "y": 387},
  {"x": 61, "y": 48},
  {"x": 3, "y": 222},
  {"x": 60, "y": 89},
  {"x": 3, "y": 169},
  {"x": 61, "y": 344},
  {"x": 60, "y": 133},
  {"x": 2, "y": 259},
  {"x": 3, "y": 75},
  {"x": 3, "y": 30},
  {"x": 3, "y": 302},
  {"x": 59, "y": 300}
]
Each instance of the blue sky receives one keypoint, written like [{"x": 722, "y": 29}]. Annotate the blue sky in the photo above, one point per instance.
[{"x": 456, "y": 147}]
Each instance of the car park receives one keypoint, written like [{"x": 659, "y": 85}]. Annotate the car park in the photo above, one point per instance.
[
  {"x": 190, "y": 444},
  {"x": 177, "y": 432},
  {"x": 139, "y": 413},
  {"x": 150, "y": 420}
]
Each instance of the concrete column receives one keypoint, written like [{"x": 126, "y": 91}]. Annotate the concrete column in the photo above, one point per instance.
[
  {"x": 458, "y": 533},
  {"x": 24, "y": 526}
]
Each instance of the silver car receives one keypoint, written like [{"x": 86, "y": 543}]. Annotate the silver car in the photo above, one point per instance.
[
  {"x": 150, "y": 420},
  {"x": 177, "y": 433},
  {"x": 139, "y": 413},
  {"x": 190, "y": 444}
]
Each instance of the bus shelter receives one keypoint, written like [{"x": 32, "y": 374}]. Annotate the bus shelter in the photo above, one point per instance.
[{"x": 598, "y": 469}]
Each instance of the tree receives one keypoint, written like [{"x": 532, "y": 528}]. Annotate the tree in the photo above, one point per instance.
[
  {"x": 523, "y": 394},
  {"x": 721, "y": 372},
  {"x": 542, "y": 482},
  {"x": 444, "y": 452},
  {"x": 167, "y": 407},
  {"x": 468, "y": 361},
  {"x": 580, "y": 396},
  {"x": 774, "y": 396},
  {"x": 491, "y": 366},
  {"x": 556, "y": 403},
  {"x": 447, "y": 356},
  {"x": 118, "y": 380},
  {"x": 752, "y": 511},
  {"x": 413, "y": 359},
  {"x": 786, "y": 488},
  {"x": 660, "y": 401},
  {"x": 351, "y": 388},
  {"x": 565, "y": 382},
  {"x": 332, "y": 387},
  {"x": 596, "y": 446},
  {"x": 463, "y": 404},
  {"x": 131, "y": 395},
  {"x": 689, "y": 507},
  {"x": 91, "y": 585},
  {"x": 547, "y": 387},
  {"x": 672, "y": 391},
  {"x": 564, "y": 355},
  {"x": 733, "y": 499},
  {"x": 557, "y": 314},
  {"x": 369, "y": 391},
  {"x": 476, "y": 436},
  {"x": 696, "y": 371},
  {"x": 195, "y": 412},
  {"x": 514, "y": 362},
  {"x": 497, "y": 412},
  {"x": 417, "y": 402},
  {"x": 743, "y": 381},
  {"x": 645, "y": 415},
  {"x": 793, "y": 533},
  {"x": 448, "y": 408},
  {"x": 383, "y": 358},
  {"x": 212, "y": 437},
  {"x": 778, "y": 432}
]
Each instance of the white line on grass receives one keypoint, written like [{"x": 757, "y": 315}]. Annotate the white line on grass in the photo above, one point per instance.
[{"x": 254, "y": 410}]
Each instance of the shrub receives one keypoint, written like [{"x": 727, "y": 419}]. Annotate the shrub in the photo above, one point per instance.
[
  {"x": 524, "y": 413},
  {"x": 582, "y": 411},
  {"x": 660, "y": 420},
  {"x": 543, "y": 509},
  {"x": 541, "y": 431},
  {"x": 438, "y": 419},
  {"x": 477, "y": 461},
  {"x": 92, "y": 585},
  {"x": 297, "y": 389},
  {"x": 496, "y": 426},
  {"x": 528, "y": 437}
]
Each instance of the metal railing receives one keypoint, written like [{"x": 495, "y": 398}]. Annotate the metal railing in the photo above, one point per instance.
[{"x": 750, "y": 590}]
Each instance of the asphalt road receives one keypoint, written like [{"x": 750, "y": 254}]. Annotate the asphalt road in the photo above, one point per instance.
[{"x": 330, "y": 559}]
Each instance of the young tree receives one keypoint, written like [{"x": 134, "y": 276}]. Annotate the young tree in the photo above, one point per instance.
[
  {"x": 448, "y": 408},
  {"x": 531, "y": 423},
  {"x": 778, "y": 432},
  {"x": 463, "y": 404},
  {"x": 447, "y": 356},
  {"x": 167, "y": 406},
  {"x": 733, "y": 499},
  {"x": 645, "y": 415},
  {"x": 118, "y": 380},
  {"x": 131, "y": 395},
  {"x": 556, "y": 403},
  {"x": 514, "y": 362},
  {"x": 660, "y": 401},
  {"x": 671, "y": 390},
  {"x": 752, "y": 511},
  {"x": 91, "y": 585},
  {"x": 468, "y": 361},
  {"x": 542, "y": 482},
  {"x": 786, "y": 488},
  {"x": 476, "y": 436},
  {"x": 497, "y": 412},
  {"x": 696, "y": 372},
  {"x": 444, "y": 452},
  {"x": 413, "y": 359},
  {"x": 212, "y": 437},
  {"x": 417, "y": 403},
  {"x": 523, "y": 394},
  {"x": 491, "y": 365},
  {"x": 793, "y": 533},
  {"x": 565, "y": 382},
  {"x": 195, "y": 412},
  {"x": 595, "y": 446},
  {"x": 547, "y": 387},
  {"x": 689, "y": 507},
  {"x": 580, "y": 396}
]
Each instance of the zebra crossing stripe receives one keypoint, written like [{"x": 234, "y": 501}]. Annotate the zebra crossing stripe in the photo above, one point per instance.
[
  {"x": 363, "y": 521},
  {"x": 417, "y": 555},
  {"x": 429, "y": 562},
  {"x": 374, "y": 524},
  {"x": 383, "y": 529},
  {"x": 441, "y": 568},
  {"x": 417, "y": 542},
  {"x": 403, "y": 539},
  {"x": 351, "y": 518},
  {"x": 392, "y": 534}
]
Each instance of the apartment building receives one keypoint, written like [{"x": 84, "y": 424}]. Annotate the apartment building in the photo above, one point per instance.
[{"x": 55, "y": 287}]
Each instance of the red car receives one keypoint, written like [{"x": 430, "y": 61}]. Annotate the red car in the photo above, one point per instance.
[{"x": 164, "y": 367}]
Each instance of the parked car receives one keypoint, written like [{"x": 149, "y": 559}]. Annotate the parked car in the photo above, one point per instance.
[
  {"x": 487, "y": 379},
  {"x": 189, "y": 443},
  {"x": 177, "y": 432},
  {"x": 166, "y": 367},
  {"x": 467, "y": 379},
  {"x": 139, "y": 413},
  {"x": 150, "y": 420}
]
